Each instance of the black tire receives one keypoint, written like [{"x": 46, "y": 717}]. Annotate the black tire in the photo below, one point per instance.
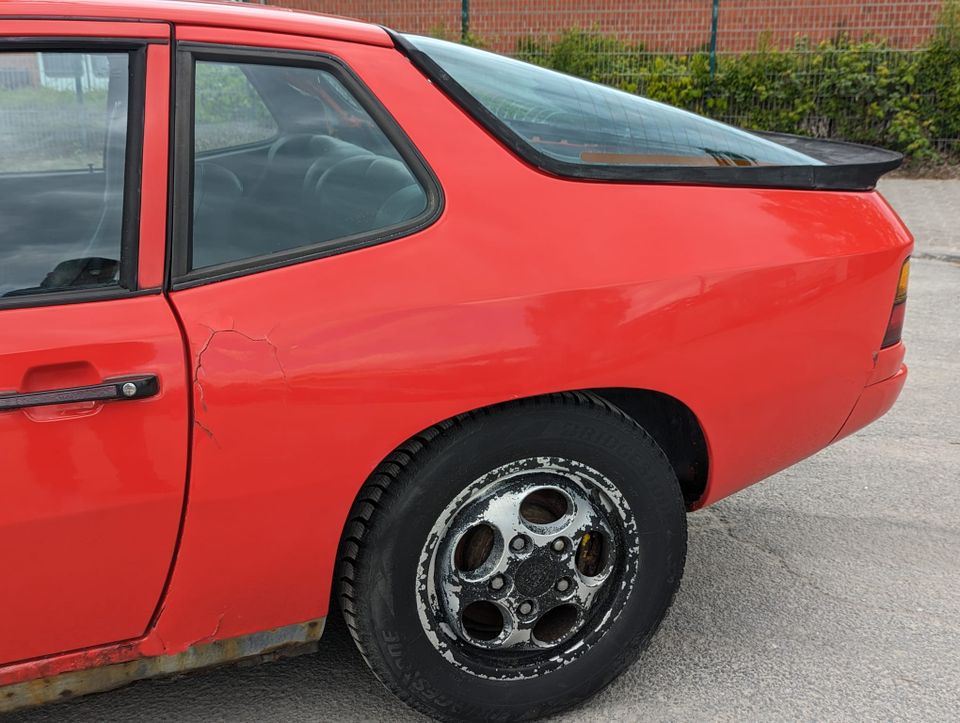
[{"x": 381, "y": 556}]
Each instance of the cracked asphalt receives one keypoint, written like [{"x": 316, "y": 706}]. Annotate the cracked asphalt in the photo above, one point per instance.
[{"x": 829, "y": 592}]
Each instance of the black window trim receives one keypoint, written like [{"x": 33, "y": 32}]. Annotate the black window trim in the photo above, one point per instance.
[
  {"x": 848, "y": 166},
  {"x": 187, "y": 54},
  {"x": 127, "y": 282}
]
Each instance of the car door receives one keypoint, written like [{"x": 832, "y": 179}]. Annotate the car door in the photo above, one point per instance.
[
  {"x": 93, "y": 405},
  {"x": 286, "y": 164}
]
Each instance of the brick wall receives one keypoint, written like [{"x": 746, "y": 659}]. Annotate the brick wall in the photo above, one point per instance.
[{"x": 661, "y": 25}]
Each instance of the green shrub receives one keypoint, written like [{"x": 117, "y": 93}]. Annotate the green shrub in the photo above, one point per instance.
[
  {"x": 938, "y": 76},
  {"x": 586, "y": 54},
  {"x": 683, "y": 81},
  {"x": 862, "y": 91}
]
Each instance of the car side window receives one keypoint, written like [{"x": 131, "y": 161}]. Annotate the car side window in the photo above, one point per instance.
[
  {"x": 326, "y": 173},
  {"x": 63, "y": 146},
  {"x": 228, "y": 112}
]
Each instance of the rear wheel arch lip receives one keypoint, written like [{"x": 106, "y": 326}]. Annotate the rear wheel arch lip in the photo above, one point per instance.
[
  {"x": 689, "y": 453},
  {"x": 634, "y": 398}
]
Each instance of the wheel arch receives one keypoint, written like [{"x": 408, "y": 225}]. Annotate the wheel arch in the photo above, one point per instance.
[
  {"x": 671, "y": 423},
  {"x": 674, "y": 427}
]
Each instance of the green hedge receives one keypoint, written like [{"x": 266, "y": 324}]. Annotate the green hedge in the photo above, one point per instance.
[{"x": 861, "y": 91}]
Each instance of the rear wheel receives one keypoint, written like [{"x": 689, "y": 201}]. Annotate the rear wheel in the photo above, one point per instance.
[{"x": 512, "y": 562}]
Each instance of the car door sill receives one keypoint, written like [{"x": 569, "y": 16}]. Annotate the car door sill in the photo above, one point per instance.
[{"x": 265, "y": 645}]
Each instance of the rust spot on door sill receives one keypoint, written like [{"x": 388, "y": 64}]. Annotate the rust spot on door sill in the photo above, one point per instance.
[{"x": 263, "y": 646}]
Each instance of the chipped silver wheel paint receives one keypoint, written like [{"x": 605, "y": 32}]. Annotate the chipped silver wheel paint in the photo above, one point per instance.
[{"x": 594, "y": 502}]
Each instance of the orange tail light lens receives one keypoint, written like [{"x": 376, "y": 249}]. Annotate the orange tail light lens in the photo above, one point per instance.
[
  {"x": 895, "y": 325},
  {"x": 902, "y": 283}
]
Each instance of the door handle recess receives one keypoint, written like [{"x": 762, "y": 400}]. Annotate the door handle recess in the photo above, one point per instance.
[{"x": 112, "y": 390}]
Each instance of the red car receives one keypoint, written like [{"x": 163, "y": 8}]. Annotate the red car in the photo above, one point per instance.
[{"x": 297, "y": 311}]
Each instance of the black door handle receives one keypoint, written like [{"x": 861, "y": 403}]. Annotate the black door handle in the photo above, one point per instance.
[{"x": 113, "y": 390}]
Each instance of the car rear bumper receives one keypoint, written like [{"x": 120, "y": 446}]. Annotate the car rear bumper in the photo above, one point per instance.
[{"x": 881, "y": 392}]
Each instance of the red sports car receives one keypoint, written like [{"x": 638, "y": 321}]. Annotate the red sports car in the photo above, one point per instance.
[{"x": 296, "y": 311}]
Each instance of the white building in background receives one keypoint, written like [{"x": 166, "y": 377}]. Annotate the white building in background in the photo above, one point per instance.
[{"x": 73, "y": 71}]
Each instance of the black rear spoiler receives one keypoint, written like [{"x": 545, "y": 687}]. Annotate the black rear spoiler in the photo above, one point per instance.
[{"x": 847, "y": 166}]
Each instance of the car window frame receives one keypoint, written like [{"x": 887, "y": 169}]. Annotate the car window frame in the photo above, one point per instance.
[
  {"x": 127, "y": 279},
  {"x": 180, "y": 276}
]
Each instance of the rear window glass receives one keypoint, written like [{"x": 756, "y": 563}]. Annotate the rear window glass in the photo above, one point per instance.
[{"x": 575, "y": 121}]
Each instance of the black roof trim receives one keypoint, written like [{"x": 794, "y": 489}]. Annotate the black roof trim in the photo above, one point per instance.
[{"x": 848, "y": 166}]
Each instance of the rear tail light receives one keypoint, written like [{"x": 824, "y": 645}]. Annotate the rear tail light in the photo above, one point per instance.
[{"x": 895, "y": 326}]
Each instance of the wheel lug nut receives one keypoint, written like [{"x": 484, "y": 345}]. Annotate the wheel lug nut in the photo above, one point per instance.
[
  {"x": 518, "y": 543},
  {"x": 559, "y": 545},
  {"x": 526, "y": 607},
  {"x": 563, "y": 584},
  {"x": 497, "y": 583}
]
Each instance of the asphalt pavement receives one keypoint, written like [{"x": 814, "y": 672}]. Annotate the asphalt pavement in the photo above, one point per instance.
[{"x": 829, "y": 592}]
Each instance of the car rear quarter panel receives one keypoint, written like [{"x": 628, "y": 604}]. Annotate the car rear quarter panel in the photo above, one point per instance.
[{"x": 759, "y": 309}]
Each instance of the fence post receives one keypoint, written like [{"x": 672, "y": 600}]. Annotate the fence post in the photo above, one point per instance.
[
  {"x": 714, "y": 23},
  {"x": 464, "y": 20}
]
